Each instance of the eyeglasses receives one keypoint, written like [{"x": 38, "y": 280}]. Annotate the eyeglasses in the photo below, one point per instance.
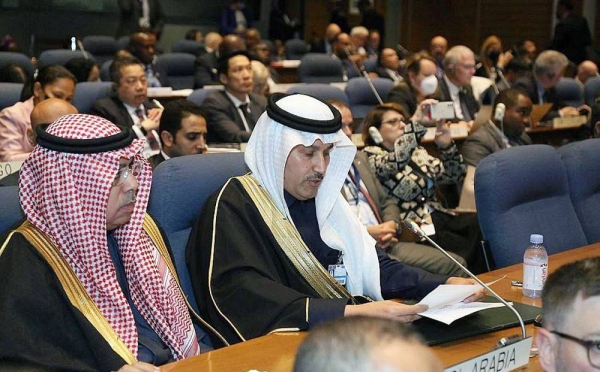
[
  {"x": 394, "y": 122},
  {"x": 593, "y": 347},
  {"x": 123, "y": 173}
]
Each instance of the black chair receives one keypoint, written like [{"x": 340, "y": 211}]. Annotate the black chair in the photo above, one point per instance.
[
  {"x": 187, "y": 46},
  {"x": 179, "y": 69},
  {"x": 102, "y": 47},
  {"x": 320, "y": 68},
  {"x": 10, "y": 93},
  {"x": 60, "y": 57},
  {"x": 295, "y": 48},
  {"x": 20, "y": 59}
]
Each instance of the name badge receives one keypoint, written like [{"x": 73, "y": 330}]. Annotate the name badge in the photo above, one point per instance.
[{"x": 339, "y": 273}]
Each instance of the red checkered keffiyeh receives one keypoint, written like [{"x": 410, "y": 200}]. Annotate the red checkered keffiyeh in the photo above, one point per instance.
[{"x": 65, "y": 195}]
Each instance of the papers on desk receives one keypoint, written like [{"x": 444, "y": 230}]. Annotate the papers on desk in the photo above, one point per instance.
[
  {"x": 168, "y": 92},
  {"x": 446, "y": 306},
  {"x": 457, "y": 131}
]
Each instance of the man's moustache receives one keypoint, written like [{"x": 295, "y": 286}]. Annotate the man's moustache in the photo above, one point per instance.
[
  {"x": 316, "y": 176},
  {"x": 130, "y": 197}
]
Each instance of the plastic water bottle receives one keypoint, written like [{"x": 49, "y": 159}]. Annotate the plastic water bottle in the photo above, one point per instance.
[{"x": 535, "y": 267}]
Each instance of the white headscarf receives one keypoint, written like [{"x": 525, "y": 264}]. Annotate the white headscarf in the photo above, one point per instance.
[{"x": 266, "y": 154}]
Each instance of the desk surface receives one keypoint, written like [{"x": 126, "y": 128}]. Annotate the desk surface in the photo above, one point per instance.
[{"x": 275, "y": 352}]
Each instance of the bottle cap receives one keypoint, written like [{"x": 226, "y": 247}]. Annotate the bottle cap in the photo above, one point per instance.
[{"x": 536, "y": 239}]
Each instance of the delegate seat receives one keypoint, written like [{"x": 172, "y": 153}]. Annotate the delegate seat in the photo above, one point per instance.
[
  {"x": 320, "y": 68},
  {"x": 321, "y": 91},
  {"x": 86, "y": 93},
  {"x": 10, "y": 93},
  {"x": 361, "y": 98},
  {"x": 103, "y": 48},
  {"x": 179, "y": 69}
]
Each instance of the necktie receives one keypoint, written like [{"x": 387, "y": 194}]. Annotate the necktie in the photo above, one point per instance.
[
  {"x": 462, "y": 96},
  {"x": 366, "y": 195},
  {"x": 140, "y": 114},
  {"x": 246, "y": 116}
]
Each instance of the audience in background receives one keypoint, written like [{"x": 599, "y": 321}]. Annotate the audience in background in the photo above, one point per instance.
[
  {"x": 281, "y": 26},
  {"x": 195, "y": 35},
  {"x": 129, "y": 106},
  {"x": 493, "y": 58},
  {"x": 251, "y": 38},
  {"x": 388, "y": 65},
  {"x": 571, "y": 34},
  {"x": 526, "y": 49},
  {"x": 438, "y": 46},
  {"x": 517, "y": 68},
  {"x": 260, "y": 78},
  {"x": 325, "y": 45},
  {"x": 585, "y": 70},
  {"x": 212, "y": 40},
  {"x": 370, "y": 18},
  {"x": 15, "y": 121},
  {"x": 506, "y": 127},
  {"x": 359, "y": 36},
  {"x": 236, "y": 17},
  {"x": 568, "y": 340},
  {"x": 411, "y": 176},
  {"x": 262, "y": 53},
  {"x": 12, "y": 73},
  {"x": 206, "y": 65},
  {"x": 373, "y": 46},
  {"x": 84, "y": 69},
  {"x": 232, "y": 113},
  {"x": 182, "y": 131},
  {"x": 362, "y": 343},
  {"x": 344, "y": 51},
  {"x": 421, "y": 83},
  {"x": 142, "y": 46},
  {"x": 136, "y": 14}
]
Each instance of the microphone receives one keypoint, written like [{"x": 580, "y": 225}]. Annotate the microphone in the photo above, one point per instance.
[
  {"x": 80, "y": 45},
  {"x": 402, "y": 49},
  {"x": 493, "y": 75},
  {"x": 361, "y": 71},
  {"x": 414, "y": 227},
  {"x": 356, "y": 69}
]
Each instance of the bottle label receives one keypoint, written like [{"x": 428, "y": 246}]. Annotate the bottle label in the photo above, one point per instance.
[{"x": 534, "y": 275}]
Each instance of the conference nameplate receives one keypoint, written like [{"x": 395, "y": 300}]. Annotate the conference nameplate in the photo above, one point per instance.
[
  {"x": 9, "y": 167},
  {"x": 507, "y": 358},
  {"x": 569, "y": 122}
]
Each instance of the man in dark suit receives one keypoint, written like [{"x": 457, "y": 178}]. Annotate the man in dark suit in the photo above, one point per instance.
[
  {"x": 206, "y": 64},
  {"x": 571, "y": 34},
  {"x": 548, "y": 69},
  {"x": 142, "y": 46},
  {"x": 231, "y": 114},
  {"x": 380, "y": 214},
  {"x": 388, "y": 65},
  {"x": 182, "y": 131},
  {"x": 132, "y": 16},
  {"x": 455, "y": 85},
  {"x": 326, "y": 45},
  {"x": 129, "y": 105}
]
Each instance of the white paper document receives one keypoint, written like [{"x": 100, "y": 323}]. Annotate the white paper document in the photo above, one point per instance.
[{"x": 446, "y": 306}]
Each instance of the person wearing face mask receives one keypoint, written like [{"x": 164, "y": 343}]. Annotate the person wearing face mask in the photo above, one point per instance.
[
  {"x": 411, "y": 176},
  {"x": 493, "y": 60},
  {"x": 420, "y": 85}
]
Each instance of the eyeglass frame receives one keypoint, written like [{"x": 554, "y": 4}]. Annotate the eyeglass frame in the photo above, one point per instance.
[
  {"x": 588, "y": 344},
  {"x": 123, "y": 173},
  {"x": 394, "y": 123}
]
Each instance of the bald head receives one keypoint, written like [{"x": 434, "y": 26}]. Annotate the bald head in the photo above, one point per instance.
[
  {"x": 438, "y": 46},
  {"x": 332, "y": 31},
  {"x": 46, "y": 112},
  {"x": 586, "y": 70},
  {"x": 230, "y": 44}
]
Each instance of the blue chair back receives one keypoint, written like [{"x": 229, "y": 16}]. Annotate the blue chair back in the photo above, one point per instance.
[
  {"x": 360, "y": 96},
  {"x": 102, "y": 47},
  {"x": 320, "y": 68},
  {"x": 180, "y": 186},
  {"x": 321, "y": 91},
  {"x": 60, "y": 57},
  {"x": 591, "y": 90},
  {"x": 10, "y": 207},
  {"x": 187, "y": 46},
  {"x": 86, "y": 93},
  {"x": 104, "y": 70},
  {"x": 10, "y": 93},
  {"x": 521, "y": 191},
  {"x": 582, "y": 162},
  {"x": 569, "y": 92},
  {"x": 20, "y": 59},
  {"x": 123, "y": 42},
  {"x": 370, "y": 64},
  {"x": 198, "y": 96},
  {"x": 179, "y": 68},
  {"x": 295, "y": 48}
]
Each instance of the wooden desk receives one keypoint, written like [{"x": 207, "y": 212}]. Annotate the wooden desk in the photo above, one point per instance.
[{"x": 276, "y": 352}]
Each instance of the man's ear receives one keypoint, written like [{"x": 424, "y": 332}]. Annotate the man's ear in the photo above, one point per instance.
[
  {"x": 223, "y": 79},
  {"x": 597, "y": 129},
  {"x": 166, "y": 138},
  {"x": 546, "y": 343}
]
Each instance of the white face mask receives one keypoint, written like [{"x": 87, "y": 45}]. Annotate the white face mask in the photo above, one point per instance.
[{"x": 429, "y": 85}]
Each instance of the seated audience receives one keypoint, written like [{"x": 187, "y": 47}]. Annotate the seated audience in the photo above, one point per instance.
[
  {"x": 206, "y": 65},
  {"x": 261, "y": 253},
  {"x": 438, "y": 46},
  {"x": 236, "y": 17},
  {"x": 568, "y": 340},
  {"x": 359, "y": 36},
  {"x": 585, "y": 70},
  {"x": 388, "y": 65},
  {"x": 84, "y": 69},
  {"x": 15, "y": 121},
  {"x": 282, "y": 26},
  {"x": 362, "y": 343},
  {"x": 411, "y": 176},
  {"x": 129, "y": 105},
  {"x": 212, "y": 40},
  {"x": 380, "y": 214},
  {"x": 507, "y": 130},
  {"x": 142, "y": 45},
  {"x": 262, "y": 52},
  {"x": 195, "y": 35},
  {"x": 325, "y": 45},
  {"x": 492, "y": 59},
  {"x": 351, "y": 61},
  {"x": 548, "y": 69},
  {"x": 527, "y": 50},
  {"x": 45, "y": 112},
  {"x": 455, "y": 85},
  {"x": 95, "y": 289},
  {"x": 182, "y": 131},
  {"x": 260, "y": 78},
  {"x": 232, "y": 113},
  {"x": 251, "y": 38},
  {"x": 373, "y": 46},
  {"x": 421, "y": 83},
  {"x": 517, "y": 68}
]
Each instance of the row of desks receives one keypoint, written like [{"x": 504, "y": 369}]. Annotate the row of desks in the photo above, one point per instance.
[{"x": 276, "y": 352}]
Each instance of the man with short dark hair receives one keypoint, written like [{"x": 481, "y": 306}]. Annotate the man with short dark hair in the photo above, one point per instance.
[
  {"x": 142, "y": 46},
  {"x": 388, "y": 65},
  {"x": 232, "y": 113},
  {"x": 570, "y": 337},
  {"x": 361, "y": 343},
  {"x": 129, "y": 105},
  {"x": 206, "y": 64},
  {"x": 182, "y": 131},
  {"x": 438, "y": 46},
  {"x": 86, "y": 280},
  {"x": 507, "y": 129}
]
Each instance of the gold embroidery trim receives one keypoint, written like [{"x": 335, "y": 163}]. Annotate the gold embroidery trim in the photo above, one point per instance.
[
  {"x": 291, "y": 243},
  {"x": 75, "y": 291},
  {"x": 154, "y": 233}
]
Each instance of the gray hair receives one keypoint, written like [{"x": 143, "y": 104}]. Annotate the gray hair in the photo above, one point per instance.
[
  {"x": 455, "y": 55},
  {"x": 549, "y": 61}
]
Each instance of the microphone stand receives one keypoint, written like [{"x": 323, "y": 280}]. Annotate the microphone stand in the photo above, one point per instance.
[
  {"x": 80, "y": 45},
  {"x": 361, "y": 71},
  {"x": 414, "y": 227}
]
